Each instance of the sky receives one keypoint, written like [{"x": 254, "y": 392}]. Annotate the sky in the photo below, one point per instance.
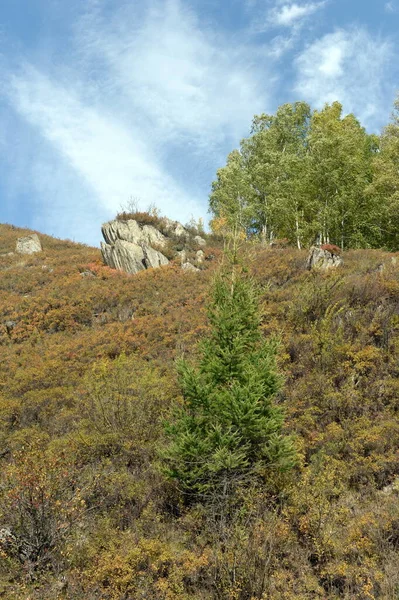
[{"x": 104, "y": 102}]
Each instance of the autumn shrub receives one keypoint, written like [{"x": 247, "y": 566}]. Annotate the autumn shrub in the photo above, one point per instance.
[
  {"x": 279, "y": 243},
  {"x": 131, "y": 566},
  {"x": 332, "y": 249},
  {"x": 40, "y": 502},
  {"x": 87, "y": 376},
  {"x": 143, "y": 218}
]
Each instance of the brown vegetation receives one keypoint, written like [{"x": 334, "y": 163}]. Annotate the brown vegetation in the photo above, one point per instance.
[
  {"x": 331, "y": 248},
  {"x": 87, "y": 378}
]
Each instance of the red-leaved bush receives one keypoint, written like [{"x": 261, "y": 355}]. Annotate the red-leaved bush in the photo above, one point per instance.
[{"x": 331, "y": 248}]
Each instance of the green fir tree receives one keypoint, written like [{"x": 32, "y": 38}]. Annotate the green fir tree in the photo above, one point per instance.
[{"x": 229, "y": 430}]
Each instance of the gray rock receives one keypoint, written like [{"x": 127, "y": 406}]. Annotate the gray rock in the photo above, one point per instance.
[
  {"x": 124, "y": 256},
  {"x": 199, "y": 240},
  {"x": 10, "y": 326},
  {"x": 131, "y": 231},
  {"x": 322, "y": 259},
  {"x": 189, "y": 267},
  {"x": 175, "y": 228},
  {"x": 132, "y": 247},
  {"x": 182, "y": 254},
  {"x": 153, "y": 258},
  {"x": 200, "y": 255},
  {"x": 87, "y": 274},
  {"x": 8, "y": 541},
  {"x": 152, "y": 236},
  {"x": 29, "y": 244}
]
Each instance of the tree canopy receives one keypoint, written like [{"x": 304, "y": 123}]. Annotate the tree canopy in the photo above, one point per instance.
[
  {"x": 229, "y": 428},
  {"x": 313, "y": 176}
]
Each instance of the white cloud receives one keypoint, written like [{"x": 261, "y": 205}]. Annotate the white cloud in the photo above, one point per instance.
[
  {"x": 290, "y": 14},
  {"x": 390, "y": 7},
  {"x": 349, "y": 66},
  {"x": 147, "y": 103},
  {"x": 97, "y": 146}
]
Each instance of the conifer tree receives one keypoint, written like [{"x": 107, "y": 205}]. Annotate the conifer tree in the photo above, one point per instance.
[{"x": 229, "y": 429}]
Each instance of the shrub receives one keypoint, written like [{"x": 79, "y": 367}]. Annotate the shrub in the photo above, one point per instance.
[
  {"x": 143, "y": 218},
  {"x": 332, "y": 249}
]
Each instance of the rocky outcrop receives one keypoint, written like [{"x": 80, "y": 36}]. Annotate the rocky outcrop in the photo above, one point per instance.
[
  {"x": 199, "y": 240},
  {"x": 132, "y": 247},
  {"x": 131, "y": 257},
  {"x": 323, "y": 258},
  {"x": 131, "y": 231},
  {"x": 29, "y": 244}
]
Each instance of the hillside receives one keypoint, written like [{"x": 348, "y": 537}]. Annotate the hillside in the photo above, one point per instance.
[{"x": 87, "y": 377}]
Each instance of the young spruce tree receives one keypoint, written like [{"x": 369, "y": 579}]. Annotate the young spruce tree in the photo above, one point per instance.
[{"x": 228, "y": 430}]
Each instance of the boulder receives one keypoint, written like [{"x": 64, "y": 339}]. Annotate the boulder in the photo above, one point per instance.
[
  {"x": 129, "y": 247},
  {"x": 9, "y": 325},
  {"x": 199, "y": 240},
  {"x": 200, "y": 255},
  {"x": 182, "y": 254},
  {"x": 29, "y": 244},
  {"x": 132, "y": 231},
  {"x": 153, "y": 258},
  {"x": 189, "y": 267},
  {"x": 132, "y": 247},
  {"x": 8, "y": 541},
  {"x": 174, "y": 228},
  {"x": 321, "y": 258},
  {"x": 124, "y": 256}
]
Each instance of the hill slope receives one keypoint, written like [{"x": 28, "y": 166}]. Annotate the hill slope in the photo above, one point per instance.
[{"x": 86, "y": 378}]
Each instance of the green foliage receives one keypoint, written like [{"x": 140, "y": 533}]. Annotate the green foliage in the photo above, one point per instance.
[
  {"x": 312, "y": 176},
  {"x": 229, "y": 429},
  {"x": 384, "y": 185}
]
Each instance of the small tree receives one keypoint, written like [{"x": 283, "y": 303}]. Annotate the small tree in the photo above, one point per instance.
[{"x": 229, "y": 429}]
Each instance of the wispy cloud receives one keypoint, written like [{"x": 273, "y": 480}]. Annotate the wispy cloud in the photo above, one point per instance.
[
  {"x": 149, "y": 97},
  {"x": 390, "y": 7},
  {"x": 290, "y": 17},
  {"x": 350, "y": 66},
  {"x": 95, "y": 144},
  {"x": 291, "y": 14}
]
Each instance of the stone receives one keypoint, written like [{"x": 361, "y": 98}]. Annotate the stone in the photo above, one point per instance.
[
  {"x": 182, "y": 254},
  {"x": 200, "y": 255},
  {"x": 87, "y": 274},
  {"x": 29, "y": 244},
  {"x": 132, "y": 247},
  {"x": 124, "y": 256},
  {"x": 8, "y": 541},
  {"x": 189, "y": 267},
  {"x": 131, "y": 231},
  {"x": 10, "y": 326},
  {"x": 320, "y": 258},
  {"x": 175, "y": 228},
  {"x": 199, "y": 240},
  {"x": 153, "y": 258}
]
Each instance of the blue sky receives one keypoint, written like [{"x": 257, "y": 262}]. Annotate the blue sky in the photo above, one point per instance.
[{"x": 104, "y": 100}]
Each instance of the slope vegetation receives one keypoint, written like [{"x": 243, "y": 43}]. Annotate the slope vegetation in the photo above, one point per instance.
[{"x": 87, "y": 377}]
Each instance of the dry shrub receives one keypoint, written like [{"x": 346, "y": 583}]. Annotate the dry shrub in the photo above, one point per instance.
[
  {"x": 143, "y": 218},
  {"x": 332, "y": 249}
]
